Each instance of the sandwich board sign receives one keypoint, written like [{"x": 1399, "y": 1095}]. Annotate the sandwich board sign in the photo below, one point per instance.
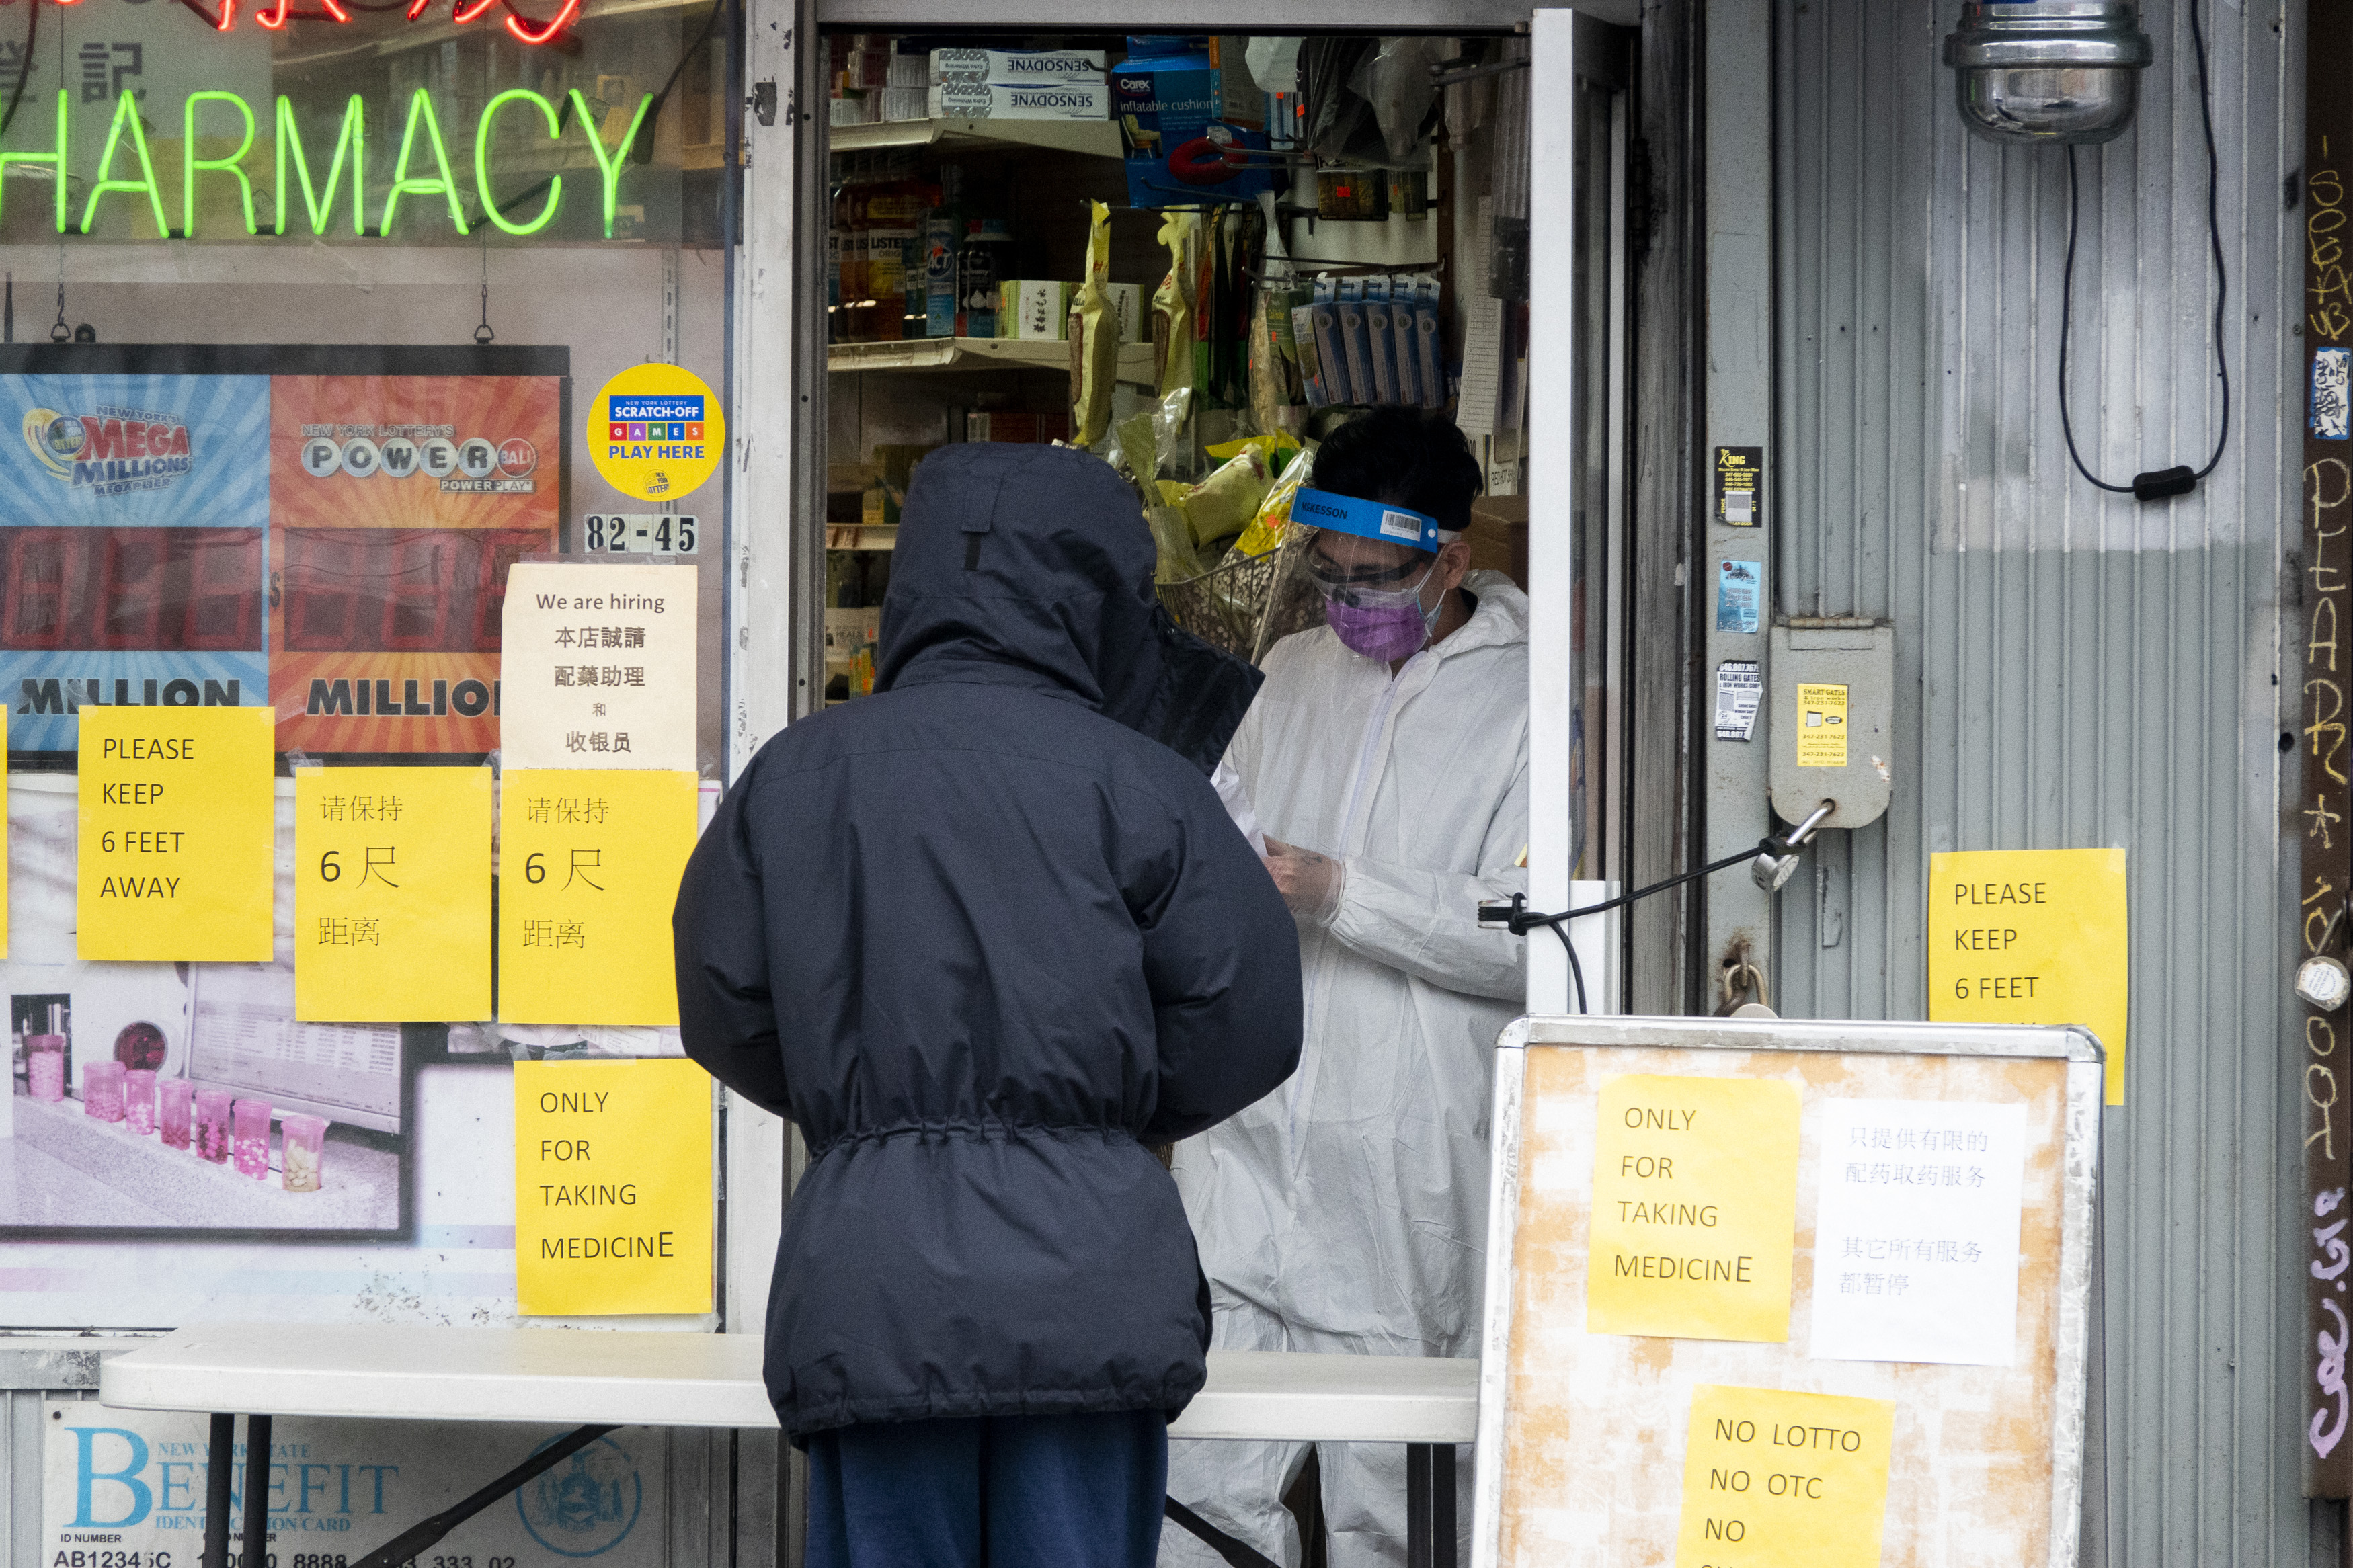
[{"x": 1764, "y": 1293}]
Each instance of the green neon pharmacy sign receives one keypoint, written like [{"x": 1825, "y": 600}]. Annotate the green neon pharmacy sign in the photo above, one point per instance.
[{"x": 126, "y": 171}]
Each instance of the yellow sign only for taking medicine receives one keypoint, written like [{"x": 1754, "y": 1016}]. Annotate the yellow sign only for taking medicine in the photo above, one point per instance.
[
  {"x": 589, "y": 861},
  {"x": 1821, "y": 726},
  {"x": 1776, "y": 1480},
  {"x": 2032, "y": 936},
  {"x": 1694, "y": 1208},
  {"x": 177, "y": 809},
  {"x": 392, "y": 894},
  {"x": 656, "y": 432},
  {"x": 613, "y": 1189}
]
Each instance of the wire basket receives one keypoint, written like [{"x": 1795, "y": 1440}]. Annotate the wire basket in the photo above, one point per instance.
[{"x": 1246, "y": 604}]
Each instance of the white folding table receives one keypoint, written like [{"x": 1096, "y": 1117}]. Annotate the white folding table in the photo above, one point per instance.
[{"x": 595, "y": 1381}]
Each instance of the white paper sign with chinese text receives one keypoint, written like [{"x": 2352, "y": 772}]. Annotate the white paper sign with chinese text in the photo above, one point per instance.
[
  {"x": 1916, "y": 1231},
  {"x": 598, "y": 668}
]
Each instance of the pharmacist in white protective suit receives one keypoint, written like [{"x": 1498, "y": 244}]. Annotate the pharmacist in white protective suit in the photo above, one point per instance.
[{"x": 1388, "y": 759}]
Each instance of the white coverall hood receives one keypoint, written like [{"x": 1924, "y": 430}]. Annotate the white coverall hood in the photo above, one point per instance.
[{"x": 1353, "y": 1200}]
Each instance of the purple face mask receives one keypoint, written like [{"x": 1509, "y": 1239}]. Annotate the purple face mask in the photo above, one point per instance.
[
  {"x": 1385, "y": 632},
  {"x": 1383, "y": 625}
]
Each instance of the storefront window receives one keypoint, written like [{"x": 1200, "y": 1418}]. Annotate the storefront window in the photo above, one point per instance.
[{"x": 306, "y": 318}]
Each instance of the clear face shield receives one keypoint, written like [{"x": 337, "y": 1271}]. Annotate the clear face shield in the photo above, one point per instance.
[{"x": 1372, "y": 599}]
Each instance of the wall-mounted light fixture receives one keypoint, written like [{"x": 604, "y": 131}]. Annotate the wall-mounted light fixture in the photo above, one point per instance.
[{"x": 2047, "y": 71}]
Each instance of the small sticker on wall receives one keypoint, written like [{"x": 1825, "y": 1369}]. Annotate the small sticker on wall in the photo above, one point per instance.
[
  {"x": 1739, "y": 687},
  {"x": 2332, "y": 393},
  {"x": 1740, "y": 485},
  {"x": 1738, "y": 591},
  {"x": 1821, "y": 726}
]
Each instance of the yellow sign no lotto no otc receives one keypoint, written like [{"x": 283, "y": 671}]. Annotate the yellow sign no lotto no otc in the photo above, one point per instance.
[{"x": 656, "y": 432}]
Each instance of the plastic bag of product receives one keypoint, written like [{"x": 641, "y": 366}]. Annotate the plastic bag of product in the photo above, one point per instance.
[
  {"x": 1137, "y": 444},
  {"x": 1223, "y": 504},
  {"x": 1395, "y": 80},
  {"x": 1174, "y": 320},
  {"x": 1272, "y": 524},
  {"x": 1172, "y": 530},
  {"x": 1094, "y": 332}
]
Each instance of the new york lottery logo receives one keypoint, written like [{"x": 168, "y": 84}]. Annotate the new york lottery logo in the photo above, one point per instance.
[
  {"x": 109, "y": 450},
  {"x": 653, "y": 418},
  {"x": 436, "y": 457}
]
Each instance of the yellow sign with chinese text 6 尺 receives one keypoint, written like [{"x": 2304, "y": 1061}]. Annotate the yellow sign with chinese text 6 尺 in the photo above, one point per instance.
[
  {"x": 2032, "y": 936},
  {"x": 589, "y": 862},
  {"x": 392, "y": 894},
  {"x": 176, "y": 828},
  {"x": 1694, "y": 1208},
  {"x": 1777, "y": 1480},
  {"x": 613, "y": 1188}
]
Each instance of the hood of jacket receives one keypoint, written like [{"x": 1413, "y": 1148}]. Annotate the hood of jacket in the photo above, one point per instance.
[{"x": 1032, "y": 566}]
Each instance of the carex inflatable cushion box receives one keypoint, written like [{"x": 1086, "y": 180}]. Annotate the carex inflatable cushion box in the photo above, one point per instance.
[{"x": 1180, "y": 153}]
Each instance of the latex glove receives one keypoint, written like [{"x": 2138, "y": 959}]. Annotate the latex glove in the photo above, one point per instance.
[{"x": 1310, "y": 883}]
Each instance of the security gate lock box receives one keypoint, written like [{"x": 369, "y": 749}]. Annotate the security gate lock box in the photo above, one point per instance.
[{"x": 1832, "y": 720}]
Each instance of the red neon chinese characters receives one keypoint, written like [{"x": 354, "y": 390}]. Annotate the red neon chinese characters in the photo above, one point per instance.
[
  {"x": 274, "y": 17},
  {"x": 563, "y": 20},
  {"x": 276, "y": 14}
]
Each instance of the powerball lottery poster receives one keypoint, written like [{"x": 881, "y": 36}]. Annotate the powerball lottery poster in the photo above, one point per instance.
[{"x": 397, "y": 505}]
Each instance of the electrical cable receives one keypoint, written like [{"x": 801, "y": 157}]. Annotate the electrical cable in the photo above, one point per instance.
[
  {"x": 1520, "y": 920},
  {"x": 2160, "y": 484}
]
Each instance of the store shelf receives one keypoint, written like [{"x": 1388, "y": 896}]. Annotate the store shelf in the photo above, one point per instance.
[
  {"x": 979, "y": 354},
  {"x": 1096, "y": 138},
  {"x": 861, "y": 536}
]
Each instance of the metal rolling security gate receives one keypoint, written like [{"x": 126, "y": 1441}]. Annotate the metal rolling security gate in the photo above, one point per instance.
[{"x": 2076, "y": 669}]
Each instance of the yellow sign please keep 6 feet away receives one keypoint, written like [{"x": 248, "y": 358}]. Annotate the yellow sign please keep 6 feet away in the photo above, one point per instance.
[
  {"x": 2032, "y": 936},
  {"x": 173, "y": 856}
]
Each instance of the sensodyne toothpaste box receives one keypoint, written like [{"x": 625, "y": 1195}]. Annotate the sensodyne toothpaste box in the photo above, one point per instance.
[
  {"x": 993, "y": 101},
  {"x": 1019, "y": 67}
]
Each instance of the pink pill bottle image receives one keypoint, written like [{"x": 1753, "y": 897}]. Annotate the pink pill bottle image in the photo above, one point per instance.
[
  {"x": 139, "y": 1102},
  {"x": 250, "y": 1142},
  {"x": 101, "y": 1091},
  {"x": 175, "y": 1098},
  {"x": 212, "y": 1124}
]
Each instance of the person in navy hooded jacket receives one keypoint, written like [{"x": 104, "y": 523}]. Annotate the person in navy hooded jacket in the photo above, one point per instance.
[{"x": 984, "y": 937}]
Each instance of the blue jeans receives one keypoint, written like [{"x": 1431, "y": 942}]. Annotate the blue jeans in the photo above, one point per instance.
[{"x": 1075, "y": 1491}]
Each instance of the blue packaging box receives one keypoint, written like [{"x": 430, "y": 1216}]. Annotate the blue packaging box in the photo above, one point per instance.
[{"x": 1179, "y": 154}]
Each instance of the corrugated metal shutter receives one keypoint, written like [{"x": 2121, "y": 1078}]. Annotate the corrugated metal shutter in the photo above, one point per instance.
[{"x": 2074, "y": 669}]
